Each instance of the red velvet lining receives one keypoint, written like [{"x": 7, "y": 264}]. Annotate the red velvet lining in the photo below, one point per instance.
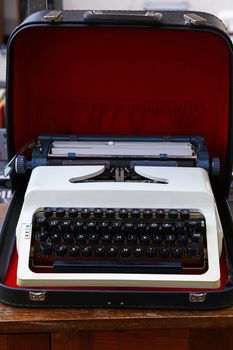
[{"x": 120, "y": 81}]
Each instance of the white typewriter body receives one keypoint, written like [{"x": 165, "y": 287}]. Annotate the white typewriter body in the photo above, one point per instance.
[{"x": 181, "y": 187}]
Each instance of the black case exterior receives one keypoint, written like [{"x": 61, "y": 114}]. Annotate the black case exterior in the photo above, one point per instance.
[{"x": 150, "y": 299}]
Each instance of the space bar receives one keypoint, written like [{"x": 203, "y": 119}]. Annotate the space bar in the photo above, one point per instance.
[{"x": 85, "y": 266}]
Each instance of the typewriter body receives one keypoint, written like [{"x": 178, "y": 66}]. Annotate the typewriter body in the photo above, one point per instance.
[{"x": 119, "y": 212}]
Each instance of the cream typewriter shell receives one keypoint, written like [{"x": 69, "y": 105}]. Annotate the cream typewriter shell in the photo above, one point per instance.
[{"x": 184, "y": 188}]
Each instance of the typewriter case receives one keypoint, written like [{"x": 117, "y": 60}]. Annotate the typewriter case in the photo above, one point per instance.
[{"x": 119, "y": 74}]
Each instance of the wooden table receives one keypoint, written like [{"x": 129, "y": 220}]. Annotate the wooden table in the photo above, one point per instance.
[{"x": 111, "y": 329}]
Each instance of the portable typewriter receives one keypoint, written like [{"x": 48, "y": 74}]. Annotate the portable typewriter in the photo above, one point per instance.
[{"x": 119, "y": 212}]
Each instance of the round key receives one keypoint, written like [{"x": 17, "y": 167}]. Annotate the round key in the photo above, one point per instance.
[
  {"x": 67, "y": 238},
  {"x": 78, "y": 226},
  {"x": 179, "y": 227},
  {"x": 144, "y": 239},
  {"x": 177, "y": 253},
  {"x": 183, "y": 239},
  {"x": 60, "y": 212},
  {"x": 147, "y": 214},
  {"x": 128, "y": 227},
  {"x": 73, "y": 212},
  {"x": 87, "y": 251},
  {"x": 123, "y": 213},
  {"x": 157, "y": 238},
  {"x": 125, "y": 252},
  {"x": 150, "y": 252},
  {"x": 103, "y": 227},
  {"x": 107, "y": 238},
  {"x": 55, "y": 237},
  {"x": 132, "y": 238},
  {"x": 91, "y": 227},
  {"x": 160, "y": 213},
  {"x": 40, "y": 221},
  {"x": 119, "y": 238},
  {"x": 193, "y": 225},
  {"x": 196, "y": 237},
  {"x": 192, "y": 249},
  {"x": 43, "y": 235},
  {"x": 74, "y": 251},
  {"x": 141, "y": 228},
  {"x": 48, "y": 212},
  {"x": 46, "y": 248},
  {"x": 135, "y": 213},
  {"x": 173, "y": 213},
  {"x": 81, "y": 238},
  {"x": 65, "y": 225},
  {"x": 99, "y": 251},
  {"x": 52, "y": 225},
  {"x": 110, "y": 213},
  {"x": 166, "y": 228},
  {"x": 98, "y": 213},
  {"x": 138, "y": 252},
  {"x": 61, "y": 250},
  {"x": 112, "y": 252},
  {"x": 185, "y": 214},
  {"x": 164, "y": 252},
  {"x": 85, "y": 213},
  {"x": 154, "y": 227},
  {"x": 94, "y": 238},
  {"x": 170, "y": 238},
  {"x": 116, "y": 227}
]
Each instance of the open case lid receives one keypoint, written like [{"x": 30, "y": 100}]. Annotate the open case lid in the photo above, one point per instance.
[{"x": 117, "y": 76}]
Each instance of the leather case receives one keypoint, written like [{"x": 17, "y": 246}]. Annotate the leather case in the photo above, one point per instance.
[{"x": 119, "y": 73}]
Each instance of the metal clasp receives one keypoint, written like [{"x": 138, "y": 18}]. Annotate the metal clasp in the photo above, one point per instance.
[
  {"x": 193, "y": 18},
  {"x": 197, "y": 297},
  {"x": 37, "y": 296},
  {"x": 53, "y": 16}
]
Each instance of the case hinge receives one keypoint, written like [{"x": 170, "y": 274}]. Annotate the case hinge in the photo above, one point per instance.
[
  {"x": 193, "y": 18},
  {"x": 53, "y": 16},
  {"x": 197, "y": 297},
  {"x": 37, "y": 296}
]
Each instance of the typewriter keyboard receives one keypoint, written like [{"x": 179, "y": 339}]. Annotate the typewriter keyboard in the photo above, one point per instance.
[{"x": 119, "y": 240}]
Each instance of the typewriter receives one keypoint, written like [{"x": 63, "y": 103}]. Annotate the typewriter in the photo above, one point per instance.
[{"x": 119, "y": 212}]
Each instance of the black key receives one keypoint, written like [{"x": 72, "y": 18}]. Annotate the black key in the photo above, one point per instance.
[
  {"x": 150, "y": 252},
  {"x": 99, "y": 251},
  {"x": 46, "y": 248},
  {"x": 132, "y": 238},
  {"x": 55, "y": 237},
  {"x": 67, "y": 238},
  {"x": 65, "y": 225},
  {"x": 106, "y": 238},
  {"x": 157, "y": 238},
  {"x": 43, "y": 235},
  {"x": 160, "y": 213},
  {"x": 173, "y": 213},
  {"x": 81, "y": 238},
  {"x": 112, "y": 252},
  {"x": 144, "y": 239},
  {"x": 48, "y": 212},
  {"x": 192, "y": 249},
  {"x": 103, "y": 227},
  {"x": 147, "y": 214},
  {"x": 138, "y": 252},
  {"x": 40, "y": 221},
  {"x": 185, "y": 214},
  {"x": 183, "y": 239},
  {"x": 166, "y": 228},
  {"x": 85, "y": 213},
  {"x": 135, "y": 213},
  {"x": 94, "y": 238},
  {"x": 119, "y": 238},
  {"x": 74, "y": 251},
  {"x": 123, "y": 213},
  {"x": 154, "y": 227},
  {"x": 170, "y": 238},
  {"x": 73, "y": 212},
  {"x": 125, "y": 252},
  {"x": 116, "y": 227},
  {"x": 110, "y": 213},
  {"x": 87, "y": 251},
  {"x": 141, "y": 228},
  {"x": 196, "y": 237},
  {"x": 129, "y": 227},
  {"x": 60, "y": 212},
  {"x": 98, "y": 213},
  {"x": 179, "y": 227},
  {"x": 91, "y": 227},
  {"x": 164, "y": 252},
  {"x": 78, "y": 226},
  {"x": 61, "y": 250},
  {"x": 52, "y": 224},
  {"x": 177, "y": 253},
  {"x": 193, "y": 225}
]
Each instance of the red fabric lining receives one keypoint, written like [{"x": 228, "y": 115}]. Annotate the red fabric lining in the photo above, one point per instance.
[{"x": 120, "y": 81}]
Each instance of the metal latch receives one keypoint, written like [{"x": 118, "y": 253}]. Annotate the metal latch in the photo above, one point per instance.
[
  {"x": 37, "y": 296},
  {"x": 53, "y": 16},
  {"x": 193, "y": 18},
  {"x": 197, "y": 297}
]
